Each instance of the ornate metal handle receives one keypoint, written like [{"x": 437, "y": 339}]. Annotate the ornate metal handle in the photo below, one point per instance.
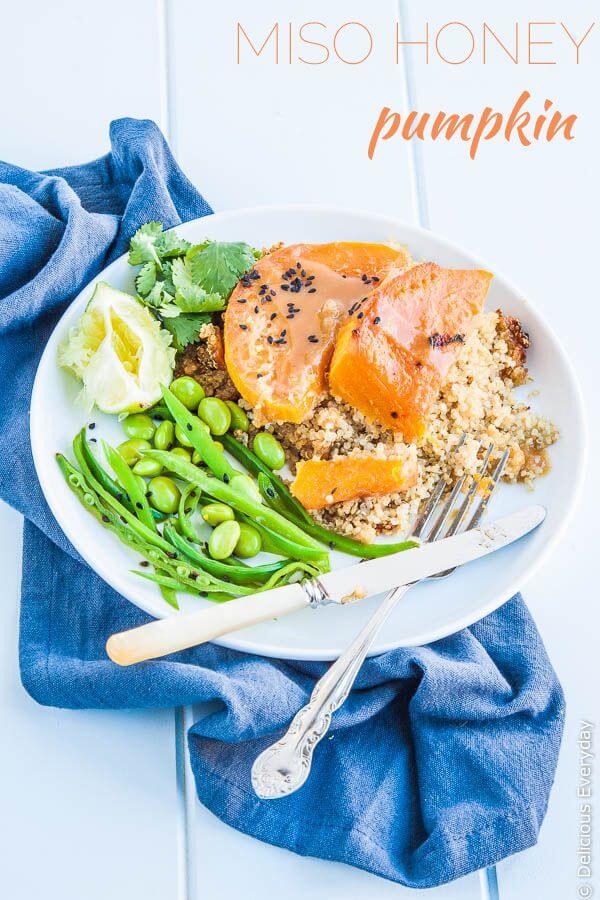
[{"x": 284, "y": 766}]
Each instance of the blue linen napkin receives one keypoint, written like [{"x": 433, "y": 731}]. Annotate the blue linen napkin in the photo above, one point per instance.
[{"x": 442, "y": 759}]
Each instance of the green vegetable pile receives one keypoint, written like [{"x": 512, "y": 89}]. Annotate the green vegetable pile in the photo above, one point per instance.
[
  {"x": 172, "y": 479},
  {"x": 182, "y": 283}
]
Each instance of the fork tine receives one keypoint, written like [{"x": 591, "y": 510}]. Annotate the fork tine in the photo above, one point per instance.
[
  {"x": 498, "y": 473},
  {"x": 425, "y": 519},
  {"x": 447, "y": 509},
  {"x": 466, "y": 504}
]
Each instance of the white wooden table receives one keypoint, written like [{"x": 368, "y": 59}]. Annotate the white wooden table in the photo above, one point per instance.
[{"x": 102, "y": 804}]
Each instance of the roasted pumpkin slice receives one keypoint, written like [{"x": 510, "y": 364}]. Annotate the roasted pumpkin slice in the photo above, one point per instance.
[
  {"x": 323, "y": 482},
  {"x": 393, "y": 354},
  {"x": 283, "y": 316}
]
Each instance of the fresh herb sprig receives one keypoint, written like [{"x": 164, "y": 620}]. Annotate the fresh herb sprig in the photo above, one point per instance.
[{"x": 183, "y": 284}]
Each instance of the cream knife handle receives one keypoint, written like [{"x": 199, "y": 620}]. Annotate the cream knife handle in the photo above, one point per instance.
[
  {"x": 179, "y": 632},
  {"x": 284, "y": 766}
]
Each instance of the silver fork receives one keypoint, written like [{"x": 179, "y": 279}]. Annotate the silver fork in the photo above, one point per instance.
[{"x": 284, "y": 766}]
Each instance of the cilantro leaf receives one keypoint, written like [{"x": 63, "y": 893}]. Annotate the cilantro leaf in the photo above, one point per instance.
[
  {"x": 218, "y": 266},
  {"x": 146, "y": 278},
  {"x": 142, "y": 248},
  {"x": 185, "y": 328},
  {"x": 190, "y": 297},
  {"x": 169, "y": 244}
]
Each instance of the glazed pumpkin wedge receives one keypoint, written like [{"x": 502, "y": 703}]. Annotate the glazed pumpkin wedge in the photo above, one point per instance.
[
  {"x": 323, "y": 482},
  {"x": 283, "y": 316},
  {"x": 393, "y": 354}
]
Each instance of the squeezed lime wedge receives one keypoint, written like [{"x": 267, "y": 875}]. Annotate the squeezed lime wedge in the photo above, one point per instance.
[{"x": 119, "y": 352}]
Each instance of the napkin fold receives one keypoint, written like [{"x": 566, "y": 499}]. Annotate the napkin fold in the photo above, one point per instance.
[{"x": 442, "y": 759}]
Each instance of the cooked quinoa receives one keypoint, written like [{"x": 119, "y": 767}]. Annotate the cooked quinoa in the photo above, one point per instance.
[{"x": 477, "y": 400}]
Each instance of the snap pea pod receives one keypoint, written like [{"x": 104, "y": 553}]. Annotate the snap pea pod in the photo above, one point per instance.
[
  {"x": 187, "y": 509},
  {"x": 131, "y": 484},
  {"x": 256, "y": 466},
  {"x": 198, "y": 437},
  {"x": 287, "y": 572},
  {"x": 169, "y": 596},
  {"x": 171, "y": 584},
  {"x": 237, "y": 573},
  {"x": 108, "y": 483},
  {"x": 145, "y": 533},
  {"x": 220, "y": 490}
]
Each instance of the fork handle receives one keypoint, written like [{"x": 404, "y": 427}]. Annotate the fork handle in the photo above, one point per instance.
[{"x": 285, "y": 765}]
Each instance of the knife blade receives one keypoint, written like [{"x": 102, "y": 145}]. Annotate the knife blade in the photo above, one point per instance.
[
  {"x": 177, "y": 632},
  {"x": 377, "y": 575}
]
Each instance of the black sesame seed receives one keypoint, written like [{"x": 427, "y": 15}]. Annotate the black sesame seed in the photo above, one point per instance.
[
  {"x": 375, "y": 278},
  {"x": 106, "y": 519},
  {"x": 144, "y": 563},
  {"x": 313, "y": 339},
  {"x": 272, "y": 293},
  {"x": 376, "y": 320},
  {"x": 256, "y": 309},
  {"x": 360, "y": 315},
  {"x": 270, "y": 493},
  {"x": 93, "y": 441},
  {"x": 226, "y": 478},
  {"x": 91, "y": 426},
  {"x": 259, "y": 374},
  {"x": 285, "y": 287},
  {"x": 171, "y": 555},
  {"x": 189, "y": 426},
  {"x": 243, "y": 327},
  {"x": 312, "y": 290},
  {"x": 303, "y": 273},
  {"x": 242, "y": 299},
  {"x": 283, "y": 333},
  {"x": 139, "y": 505},
  {"x": 270, "y": 339},
  {"x": 394, "y": 414},
  {"x": 290, "y": 315},
  {"x": 272, "y": 316},
  {"x": 298, "y": 266}
]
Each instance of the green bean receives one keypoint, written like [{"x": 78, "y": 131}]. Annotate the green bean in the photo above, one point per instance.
[
  {"x": 147, "y": 468},
  {"x": 169, "y": 596},
  {"x": 135, "y": 491},
  {"x": 269, "y": 450},
  {"x": 164, "y": 494},
  {"x": 190, "y": 497},
  {"x": 239, "y": 419},
  {"x": 216, "y": 414},
  {"x": 188, "y": 391},
  {"x": 249, "y": 542},
  {"x": 131, "y": 450},
  {"x": 223, "y": 539},
  {"x": 223, "y": 491},
  {"x": 164, "y": 436},
  {"x": 139, "y": 426},
  {"x": 215, "y": 513},
  {"x": 201, "y": 441},
  {"x": 108, "y": 483}
]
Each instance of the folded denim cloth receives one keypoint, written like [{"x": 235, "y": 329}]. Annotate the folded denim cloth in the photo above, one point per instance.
[{"x": 442, "y": 759}]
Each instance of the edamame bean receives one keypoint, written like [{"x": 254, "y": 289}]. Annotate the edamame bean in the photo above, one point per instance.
[
  {"x": 139, "y": 425},
  {"x": 216, "y": 414},
  {"x": 131, "y": 450},
  {"x": 249, "y": 542},
  {"x": 239, "y": 419},
  {"x": 188, "y": 391},
  {"x": 148, "y": 468},
  {"x": 163, "y": 494},
  {"x": 215, "y": 513},
  {"x": 223, "y": 539},
  {"x": 269, "y": 450},
  {"x": 246, "y": 485},
  {"x": 164, "y": 436},
  {"x": 183, "y": 452}
]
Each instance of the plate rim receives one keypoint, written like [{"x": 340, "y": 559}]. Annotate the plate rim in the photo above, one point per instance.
[{"x": 237, "y": 641}]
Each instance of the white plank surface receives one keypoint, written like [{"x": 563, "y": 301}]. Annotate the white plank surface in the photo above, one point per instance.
[
  {"x": 90, "y": 803},
  {"x": 92, "y": 792},
  {"x": 531, "y": 215}
]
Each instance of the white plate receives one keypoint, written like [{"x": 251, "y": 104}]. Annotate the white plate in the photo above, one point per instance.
[{"x": 429, "y": 611}]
